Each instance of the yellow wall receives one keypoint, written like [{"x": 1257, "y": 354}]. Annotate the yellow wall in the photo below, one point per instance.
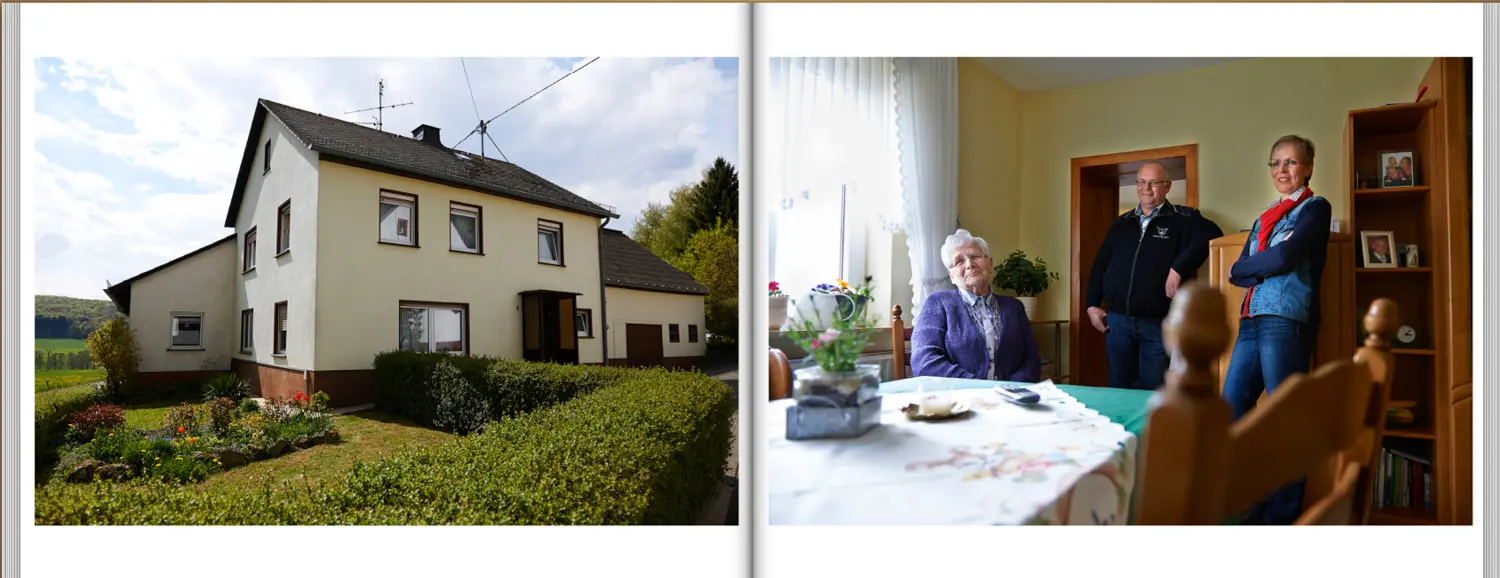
[
  {"x": 361, "y": 282},
  {"x": 1232, "y": 111},
  {"x": 627, "y": 306},
  {"x": 203, "y": 284}
]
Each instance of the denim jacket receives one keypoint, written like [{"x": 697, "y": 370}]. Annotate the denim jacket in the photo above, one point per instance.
[{"x": 1287, "y": 274}]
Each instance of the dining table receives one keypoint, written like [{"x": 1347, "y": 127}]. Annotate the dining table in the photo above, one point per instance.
[{"x": 1070, "y": 459}]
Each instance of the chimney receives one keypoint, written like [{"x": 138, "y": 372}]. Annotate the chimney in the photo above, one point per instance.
[{"x": 428, "y": 134}]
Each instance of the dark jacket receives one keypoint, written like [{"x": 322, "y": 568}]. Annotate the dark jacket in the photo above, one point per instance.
[
  {"x": 947, "y": 341},
  {"x": 1129, "y": 275}
]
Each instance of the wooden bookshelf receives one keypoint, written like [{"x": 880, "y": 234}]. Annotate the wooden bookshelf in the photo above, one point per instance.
[{"x": 1432, "y": 455}]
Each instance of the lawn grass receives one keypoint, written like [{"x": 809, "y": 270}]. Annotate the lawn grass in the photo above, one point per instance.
[
  {"x": 364, "y": 436},
  {"x": 149, "y": 415},
  {"x": 50, "y": 380},
  {"x": 61, "y": 345}
]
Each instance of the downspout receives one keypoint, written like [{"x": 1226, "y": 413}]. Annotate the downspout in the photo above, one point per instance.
[{"x": 603, "y": 312}]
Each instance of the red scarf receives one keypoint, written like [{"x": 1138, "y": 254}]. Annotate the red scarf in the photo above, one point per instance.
[{"x": 1268, "y": 222}]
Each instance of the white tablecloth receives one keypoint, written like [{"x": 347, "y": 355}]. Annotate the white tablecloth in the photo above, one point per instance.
[{"x": 1057, "y": 463}]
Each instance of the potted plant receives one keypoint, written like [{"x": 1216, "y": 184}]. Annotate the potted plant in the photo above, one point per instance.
[
  {"x": 836, "y": 378},
  {"x": 1026, "y": 278},
  {"x": 777, "y": 313},
  {"x": 857, "y": 297}
]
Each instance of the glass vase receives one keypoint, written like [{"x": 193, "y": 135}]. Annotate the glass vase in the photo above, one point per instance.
[{"x": 817, "y": 387}]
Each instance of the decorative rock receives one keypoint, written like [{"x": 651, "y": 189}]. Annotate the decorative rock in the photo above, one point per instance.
[
  {"x": 331, "y": 436},
  {"x": 302, "y": 442},
  {"x": 231, "y": 458},
  {"x": 84, "y": 472},
  {"x": 277, "y": 449},
  {"x": 256, "y": 452},
  {"x": 114, "y": 472},
  {"x": 317, "y": 439}
]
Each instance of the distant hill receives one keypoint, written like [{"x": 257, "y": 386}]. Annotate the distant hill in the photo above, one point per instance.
[{"x": 70, "y": 318}]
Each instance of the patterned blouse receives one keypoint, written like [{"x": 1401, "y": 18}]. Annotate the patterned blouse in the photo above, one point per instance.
[{"x": 985, "y": 311}]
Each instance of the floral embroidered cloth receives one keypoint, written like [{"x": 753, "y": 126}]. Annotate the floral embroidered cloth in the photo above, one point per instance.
[{"x": 1056, "y": 463}]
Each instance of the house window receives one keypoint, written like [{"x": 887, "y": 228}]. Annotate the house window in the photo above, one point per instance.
[
  {"x": 284, "y": 227},
  {"x": 549, "y": 247},
  {"x": 463, "y": 228},
  {"x": 248, "y": 256},
  {"x": 583, "y": 321},
  {"x": 265, "y": 161},
  {"x": 279, "y": 348},
  {"x": 247, "y": 331},
  {"x": 187, "y": 330},
  {"x": 398, "y": 218},
  {"x": 674, "y": 333},
  {"x": 692, "y": 333},
  {"x": 430, "y": 327}
]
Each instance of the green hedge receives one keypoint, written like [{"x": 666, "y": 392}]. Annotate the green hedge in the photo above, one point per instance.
[
  {"x": 53, "y": 408},
  {"x": 648, "y": 448},
  {"x": 461, "y": 393}
]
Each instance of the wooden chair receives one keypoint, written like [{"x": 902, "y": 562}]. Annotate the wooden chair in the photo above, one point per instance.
[
  {"x": 900, "y": 334},
  {"x": 781, "y": 375},
  {"x": 1199, "y": 468}
]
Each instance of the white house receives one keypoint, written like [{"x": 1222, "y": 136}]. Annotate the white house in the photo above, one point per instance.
[
  {"x": 349, "y": 241},
  {"x": 655, "y": 310}
]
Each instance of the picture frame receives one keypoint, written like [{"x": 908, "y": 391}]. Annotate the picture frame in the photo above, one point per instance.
[
  {"x": 1378, "y": 249},
  {"x": 1410, "y": 256},
  {"x": 1396, "y": 169}
]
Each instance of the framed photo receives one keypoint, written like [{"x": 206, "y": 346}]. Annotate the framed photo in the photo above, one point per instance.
[
  {"x": 1409, "y": 257},
  {"x": 1397, "y": 169},
  {"x": 1378, "y": 248}
]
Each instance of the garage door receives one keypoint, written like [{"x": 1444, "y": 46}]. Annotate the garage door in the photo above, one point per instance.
[{"x": 643, "y": 345}]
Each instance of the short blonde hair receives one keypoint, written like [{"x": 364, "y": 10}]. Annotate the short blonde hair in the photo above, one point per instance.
[{"x": 958, "y": 239}]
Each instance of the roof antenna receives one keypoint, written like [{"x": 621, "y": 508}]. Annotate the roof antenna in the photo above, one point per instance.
[{"x": 379, "y": 110}]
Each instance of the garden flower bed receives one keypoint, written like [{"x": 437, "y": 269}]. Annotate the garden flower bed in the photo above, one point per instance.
[{"x": 192, "y": 443}]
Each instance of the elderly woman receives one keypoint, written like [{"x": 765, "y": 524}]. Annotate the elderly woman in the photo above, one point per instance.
[
  {"x": 971, "y": 332},
  {"x": 1281, "y": 266}
]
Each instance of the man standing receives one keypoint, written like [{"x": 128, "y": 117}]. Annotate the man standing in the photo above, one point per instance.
[{"x": 1145, "y": 257}]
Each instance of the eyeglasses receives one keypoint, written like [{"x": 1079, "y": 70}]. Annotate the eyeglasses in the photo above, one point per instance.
[
  {"x": 1143, "y": 184},
  {"x": 1289, "y": 163},
  {"x": 960, "y": 260}
]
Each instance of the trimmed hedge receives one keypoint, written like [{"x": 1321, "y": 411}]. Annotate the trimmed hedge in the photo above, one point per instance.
[
  {"x": 460, "y": 393},
  {"x": 53, "y": 409},
  {"x": 648, "y": 448}
]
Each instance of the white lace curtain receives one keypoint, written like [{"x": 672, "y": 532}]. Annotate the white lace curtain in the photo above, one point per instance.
[{"x": 926, "y": 94}]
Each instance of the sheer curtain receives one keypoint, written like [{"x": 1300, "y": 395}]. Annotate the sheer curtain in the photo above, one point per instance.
[
  {"x": 926, "y": 95},
  {"x": 832, "y": 165}
]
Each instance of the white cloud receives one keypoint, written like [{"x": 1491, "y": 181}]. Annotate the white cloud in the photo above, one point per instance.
[{"x": 622, "y": 132}]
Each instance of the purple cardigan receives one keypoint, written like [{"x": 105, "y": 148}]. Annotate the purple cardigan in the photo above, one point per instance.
[{"x": 948, "y": 343}]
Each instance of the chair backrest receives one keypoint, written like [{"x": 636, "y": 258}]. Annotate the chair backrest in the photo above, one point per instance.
[
  {"x": 1199, "y": 468},
  {"x": 900, "y": 353},
  {"x": 781, "y": 375}
]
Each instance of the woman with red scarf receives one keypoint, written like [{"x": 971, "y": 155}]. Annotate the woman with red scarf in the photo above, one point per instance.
[{"x": 1280, "y": 266}]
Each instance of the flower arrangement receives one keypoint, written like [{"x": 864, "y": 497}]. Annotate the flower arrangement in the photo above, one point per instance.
[
  {"x": 842, "y": 287},
  {"x": 837, "y": 348},
  {"x": 1025, "y": 278},
  {"x": 776, "y": 290}
]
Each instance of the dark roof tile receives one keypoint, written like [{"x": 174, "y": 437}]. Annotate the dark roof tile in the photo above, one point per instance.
[{"x": 629, "y": 265}]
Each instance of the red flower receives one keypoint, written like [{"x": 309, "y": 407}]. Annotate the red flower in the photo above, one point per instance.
[
  {"x": 775, "y": 286},
  {"x": 181, "y": 429}
]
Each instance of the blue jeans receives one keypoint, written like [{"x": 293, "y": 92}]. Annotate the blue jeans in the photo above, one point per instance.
[
  {"x": 1268, "y": 350},
  {"x": 1137, "y": 359}
]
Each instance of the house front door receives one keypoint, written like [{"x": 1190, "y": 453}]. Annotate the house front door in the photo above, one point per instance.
[{"x": 547, "y": 327}]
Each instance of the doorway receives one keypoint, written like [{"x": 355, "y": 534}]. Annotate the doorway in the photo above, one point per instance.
[
  {"x": 547, "y": 327},
  {"x": 643, "y": 345},
  {"x": 1099, "y": 197}
]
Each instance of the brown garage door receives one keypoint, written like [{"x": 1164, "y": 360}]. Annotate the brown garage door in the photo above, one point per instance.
[{"x": 642, "y": 345}]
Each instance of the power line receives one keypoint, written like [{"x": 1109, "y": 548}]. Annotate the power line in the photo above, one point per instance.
[{"x": 485, "y": 123}]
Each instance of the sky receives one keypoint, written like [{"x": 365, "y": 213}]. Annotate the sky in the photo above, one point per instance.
[{"x": 136, "y": 160}]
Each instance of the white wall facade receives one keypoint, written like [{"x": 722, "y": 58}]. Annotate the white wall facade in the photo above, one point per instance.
[
  {"x": 627, "y": 306},
  {"x": 201, "y": 284},
  {"x": 291, "y": 276},
  {"x": 362, "y": 282}
]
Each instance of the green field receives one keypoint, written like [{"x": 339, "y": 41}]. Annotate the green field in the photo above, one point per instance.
[
  {"x": 49, "y": 380},
  {"x": 61, "y": 345}
]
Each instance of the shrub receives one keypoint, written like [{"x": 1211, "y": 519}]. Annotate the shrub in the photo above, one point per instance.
[
  {"x": 53, "y": 408},
  {"x": 410, "y": 384},
  {"x": 249, "y": 405},
  {"x": 226, "y": 385},
  {"x": 460, "y": 406},
  {"x": 182, "y": 419},
  {"x": 220, "y": 414},
  {"x": 113, "y": 347},
  {"x": 94, "y": 418},
  {"x": 648, "y": 448}
]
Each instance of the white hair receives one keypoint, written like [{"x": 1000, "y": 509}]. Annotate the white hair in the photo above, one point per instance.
[{"x": 958, "y": 239}]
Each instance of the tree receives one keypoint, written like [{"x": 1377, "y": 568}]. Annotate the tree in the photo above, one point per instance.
[
  {"x": 717, "y": 198},
  {"x": 113, "y": 347},
  {"x": 712, "y": 257},
  {"x": 665, "y": 229}
]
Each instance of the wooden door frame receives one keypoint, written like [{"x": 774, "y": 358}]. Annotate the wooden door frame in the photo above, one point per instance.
[{"x": 1075, "y": 301}]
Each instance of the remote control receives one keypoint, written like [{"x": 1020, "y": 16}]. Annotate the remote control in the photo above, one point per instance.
[{"x": 1018, "y": 395}]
